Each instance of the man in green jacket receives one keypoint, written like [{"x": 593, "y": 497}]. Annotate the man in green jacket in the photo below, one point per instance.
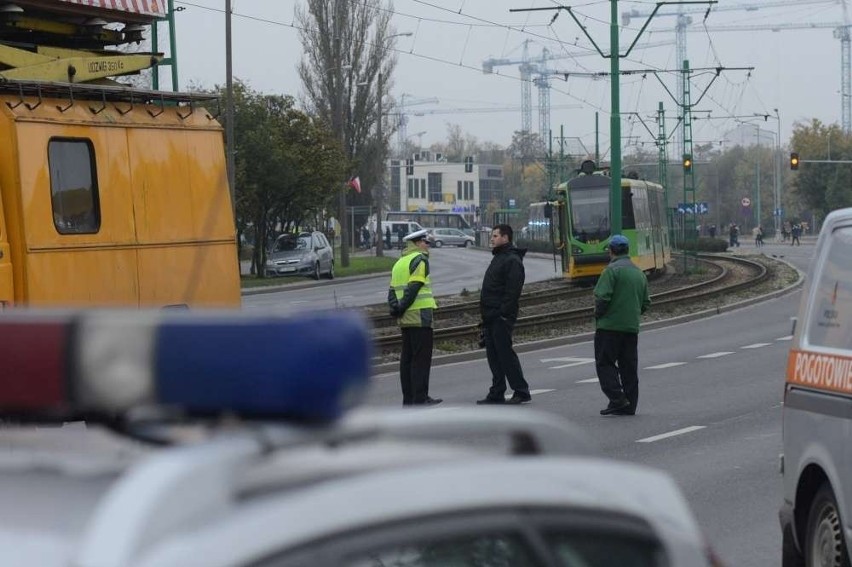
[
  {"x": 410, "y": 300},
  {"x": 621, "y": 296}
]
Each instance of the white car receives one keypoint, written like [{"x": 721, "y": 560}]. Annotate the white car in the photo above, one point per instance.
[{"x": 263, "y": 471}]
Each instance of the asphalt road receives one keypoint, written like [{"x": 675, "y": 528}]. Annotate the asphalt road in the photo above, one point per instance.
[
  {"x": 453, "y": 269},
  {"x": 709, "y": 412}
]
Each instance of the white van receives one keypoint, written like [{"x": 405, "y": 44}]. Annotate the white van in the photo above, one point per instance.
[
  {"x": 399, "y": 229},
  {"x": 816, "y": 516}
]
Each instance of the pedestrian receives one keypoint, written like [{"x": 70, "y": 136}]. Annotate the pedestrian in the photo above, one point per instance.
[
  {"x": 498, "y": 305},
  {"x": 388, "y": 238},
  {"x": 759, "y": 236},
  {"x": 410, "y": 300},
  {"x": 621, "y": 296},
  {"x": 365, "y": 237},
  {"x": 712, "y": 231},
  {"x": 795, "y": 232}
]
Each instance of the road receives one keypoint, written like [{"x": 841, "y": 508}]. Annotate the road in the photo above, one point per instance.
[
  {"x": 453, "y": 269},
  {"x": 709, "y": 412}
]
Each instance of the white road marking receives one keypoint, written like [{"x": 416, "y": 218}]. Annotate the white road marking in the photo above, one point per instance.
[
  {"x": 787, "y": 338},
  {"x": 756, "y": 345},
  {"x": 666, "y": 365},
  {"x": 662, "y": 436},
  {"x": 715, "y": 354},
  {"x": 543, "y": 391},
  {"x": 572, "y": 361},
  {"x": 588, "y": 381}
]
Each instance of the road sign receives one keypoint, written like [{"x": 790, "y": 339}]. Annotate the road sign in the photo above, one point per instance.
[
  {"x": 746, "y": 202},
  {"x": 701, "y": 208},
  {"x": 779, "y": 212}
]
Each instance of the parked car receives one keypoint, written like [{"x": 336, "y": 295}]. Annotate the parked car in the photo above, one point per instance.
[
  {"x": 308, "y": 254},
  {"x": 450, "y": 237}
]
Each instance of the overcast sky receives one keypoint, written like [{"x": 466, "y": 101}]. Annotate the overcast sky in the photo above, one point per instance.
[{"x": 795, "y": 71}]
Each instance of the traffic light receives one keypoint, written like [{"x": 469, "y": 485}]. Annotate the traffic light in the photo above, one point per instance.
[
  {"x": 409, "y": 166},
  {"x": 687, "y": 163},
  {"x": 794, "y": 161},
  {"x": 468, "y": 164}
]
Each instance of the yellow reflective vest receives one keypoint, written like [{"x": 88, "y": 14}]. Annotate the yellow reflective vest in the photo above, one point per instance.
[{"x": 413, "y": 266}]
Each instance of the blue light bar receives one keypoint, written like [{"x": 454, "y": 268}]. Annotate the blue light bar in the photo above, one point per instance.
[
  {"x": 309, "y": 369},
  {"x": 102, "y": 364}
]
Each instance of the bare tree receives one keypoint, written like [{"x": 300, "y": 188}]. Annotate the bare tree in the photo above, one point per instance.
[{"x": 347, "y": 45}]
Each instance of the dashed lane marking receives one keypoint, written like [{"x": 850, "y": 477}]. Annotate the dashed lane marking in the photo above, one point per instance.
[
  {"x": 787, "y": 338},
  {"x": 543, "y": 391},
  {"x": 675, "y": 433},
  {"x": 570, "y": 360},
  {"x": 666, "y": 365},
  {"x": 587, "y": 381},
  {"x": 756, "y": 345},
  {"x": 715, "y": 354}
]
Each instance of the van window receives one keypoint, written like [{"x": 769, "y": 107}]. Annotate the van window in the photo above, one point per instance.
[
  {"x": 827, "y": 326},
  {"x": 73, "y": 186}
]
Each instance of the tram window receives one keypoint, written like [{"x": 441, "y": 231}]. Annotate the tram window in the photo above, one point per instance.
[{"x": 628, "y": 220}]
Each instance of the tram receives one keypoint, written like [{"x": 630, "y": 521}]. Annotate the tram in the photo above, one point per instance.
[{"x": 581, "y": 227}]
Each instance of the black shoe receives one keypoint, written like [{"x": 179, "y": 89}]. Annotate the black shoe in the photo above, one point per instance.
[
  {"x": 432, "y": 401},
  {"x": 614, "y": 407},
  {"x": 517, "y": 400},
  {"x": 626, "y": 411},
  {"x": 490, "y": 401}
]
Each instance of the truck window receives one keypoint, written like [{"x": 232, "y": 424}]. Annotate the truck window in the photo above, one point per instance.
[
  {"x": 73, "y": 186},
  {"x": 827, "y": 326}
]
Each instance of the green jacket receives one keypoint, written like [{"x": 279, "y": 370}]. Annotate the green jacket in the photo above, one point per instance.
[
  {"x": 410, "y": 294},
  {"x": 621, "y": 296}
]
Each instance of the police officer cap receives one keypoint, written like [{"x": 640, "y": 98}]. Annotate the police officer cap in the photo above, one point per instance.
[
  {"x": 417, "y": 235},
  {"x": 619, "y": 241}
]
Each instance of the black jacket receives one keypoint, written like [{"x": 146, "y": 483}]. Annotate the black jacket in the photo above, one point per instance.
[{"x": 502, "y": 284}]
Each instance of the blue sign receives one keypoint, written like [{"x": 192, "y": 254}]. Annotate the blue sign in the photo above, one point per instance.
[
  {"x": 687, "y": 208},
  {"x": 779, "y": 212}
]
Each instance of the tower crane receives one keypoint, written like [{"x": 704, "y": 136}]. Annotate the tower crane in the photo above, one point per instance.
[
  {"x": 683, "y": 21},
  {"x": 841, "y": 32},
  {"x": 406, "y": 100},
  {"x": 534, "y": 71}
]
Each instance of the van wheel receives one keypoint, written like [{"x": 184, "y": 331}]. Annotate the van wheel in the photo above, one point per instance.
[
  {"x": 824, "y": 543},
  {"x": 790, "y": 556},
  {"x": 316, "y": 274},
  {"x": 438, "y": 244},
  {"x": 330, "y": 273}
]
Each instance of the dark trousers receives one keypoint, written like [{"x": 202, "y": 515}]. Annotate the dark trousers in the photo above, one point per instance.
[
  {"x": 503, "y": 361},
  {"x": 415, "y": 362},
  {"x": 617, "y": 365}
]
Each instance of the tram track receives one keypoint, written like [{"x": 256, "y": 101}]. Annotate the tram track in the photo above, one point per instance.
[{"x": 727, "y": 279}]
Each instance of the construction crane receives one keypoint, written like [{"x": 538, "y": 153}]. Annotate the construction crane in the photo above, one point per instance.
[
  {"x": 406, "y": 100},
  {"x": 841, "y": 31},
  {"x": 534, "y": 71},
  {"x": 683, "y": 22}
]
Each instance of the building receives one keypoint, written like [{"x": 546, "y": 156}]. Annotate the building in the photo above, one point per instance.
[{"x": 428, "y": 182}]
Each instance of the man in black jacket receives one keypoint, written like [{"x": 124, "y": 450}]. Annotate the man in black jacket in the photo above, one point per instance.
[{"x": 498, "y": 304}]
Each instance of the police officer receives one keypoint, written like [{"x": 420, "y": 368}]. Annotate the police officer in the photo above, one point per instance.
[
  {"x": 621, "y": 296},
  {"x": 410, "y": 299}
]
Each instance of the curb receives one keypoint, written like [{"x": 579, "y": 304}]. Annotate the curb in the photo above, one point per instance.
[
  {"x": 306, "y": 285},
  {"x": 584, "y": 337}
]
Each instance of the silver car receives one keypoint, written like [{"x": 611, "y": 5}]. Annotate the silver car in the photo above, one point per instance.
[
  {"x": 450, "y": 237},
  {"x": 308, "y": 254}
]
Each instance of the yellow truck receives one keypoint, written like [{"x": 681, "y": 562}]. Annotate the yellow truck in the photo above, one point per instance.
[{"x": 109, "y": 196}]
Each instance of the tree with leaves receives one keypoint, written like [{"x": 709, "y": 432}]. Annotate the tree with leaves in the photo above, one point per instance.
[
  {"x": 288, "y": 167},
  {"x": 347, "y": 45},
  {"x": 822, "y": 187}
]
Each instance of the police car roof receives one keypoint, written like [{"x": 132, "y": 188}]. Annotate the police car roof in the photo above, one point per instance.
[{"x": 232, "y": 496}]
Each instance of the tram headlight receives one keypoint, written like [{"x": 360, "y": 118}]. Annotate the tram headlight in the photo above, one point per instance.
[{"x": 576, "y": 250}]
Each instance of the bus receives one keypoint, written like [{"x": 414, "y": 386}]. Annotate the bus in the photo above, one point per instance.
[
  {"x": 440, "y": 219},
  {"x": 581, "y": 221}
]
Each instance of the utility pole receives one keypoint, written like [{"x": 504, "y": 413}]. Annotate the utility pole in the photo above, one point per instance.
[
  {"x": 229, "y": 108},
  {"x": 380, "y": 238}
]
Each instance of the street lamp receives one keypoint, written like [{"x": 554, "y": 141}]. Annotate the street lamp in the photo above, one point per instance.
[
  {"x": 777, "y": 163},
  {"x": 378, "y": 196}
]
